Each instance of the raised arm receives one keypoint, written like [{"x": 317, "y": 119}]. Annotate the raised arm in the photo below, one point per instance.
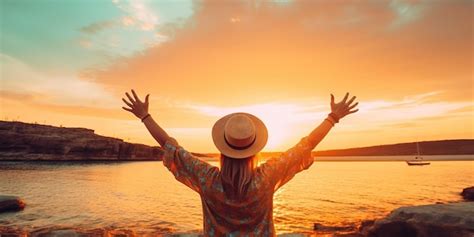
[
  {"x": 338, "y": 111},
  {"x": 140, "y": 110},
  {"x": 186, "y": 168},
  {"x": 282, "y": 169}
]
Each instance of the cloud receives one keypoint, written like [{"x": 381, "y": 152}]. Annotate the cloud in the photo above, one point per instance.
[
  {"x": 138, "y": 13},
  {"x": 20, "y": 81},
  {"x": 406, "y": 11},
  {"x": 410, "y": 63},
  {"x": 301, "y": 50},
  {"x": 406, "y": 101},
  {"x": 389, "y": 111},
  {"x": 373, "y": 112},
  {"x": 97, "y": 27},
  {"x": 137, "y": 28},
  {"x": 18, "y": 96}
]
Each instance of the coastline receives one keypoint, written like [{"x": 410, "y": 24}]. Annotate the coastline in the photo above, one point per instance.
[
  {"x": 37, "y": 142},
  {"x": 316, "y": 159}
]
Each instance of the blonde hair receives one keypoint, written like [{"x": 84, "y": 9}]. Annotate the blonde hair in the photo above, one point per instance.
[{"x": 236, "y": 174}]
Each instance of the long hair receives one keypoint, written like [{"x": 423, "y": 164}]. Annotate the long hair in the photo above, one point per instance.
[{"x": 236, "y": 175}]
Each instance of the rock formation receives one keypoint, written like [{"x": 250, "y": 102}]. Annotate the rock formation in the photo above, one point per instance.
[
  {"x": 11, "y": 203},
  {"x": 468, "y": 193},
  {"x": 437, "y": 220},
  {"x": 23, "y": 141}
]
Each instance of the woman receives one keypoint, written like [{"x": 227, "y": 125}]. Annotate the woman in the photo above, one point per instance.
[{"x": 237, "y": 199}]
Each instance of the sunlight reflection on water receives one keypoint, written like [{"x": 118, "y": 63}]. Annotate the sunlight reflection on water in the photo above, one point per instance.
[{"x": 145, "y": 196}]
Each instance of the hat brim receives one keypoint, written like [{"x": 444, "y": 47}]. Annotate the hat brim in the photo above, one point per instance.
[{"x": 261, "y": 137}]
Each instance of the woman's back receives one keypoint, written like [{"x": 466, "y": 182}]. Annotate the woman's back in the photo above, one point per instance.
[{"x": 250, "y": 213}]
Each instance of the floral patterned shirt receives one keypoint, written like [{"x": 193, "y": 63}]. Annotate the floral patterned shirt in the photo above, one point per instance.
[{"x": 248, "y": 216}]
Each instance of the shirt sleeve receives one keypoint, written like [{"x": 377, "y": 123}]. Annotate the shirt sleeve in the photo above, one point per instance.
[
  {"x": 186, "y": 168},
  {"x": 280, "y": 170}
]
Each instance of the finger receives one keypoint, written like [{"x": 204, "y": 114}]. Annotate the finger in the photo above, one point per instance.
[
  {"x": 135, "y": 96},
  {"x": 332, "y": 99},
  {"x": 127, "y": 109},
  {"x": 353, "y": 106},
  {"x": 130, "y": 98},
  {"x": 126, "y": 102},
  {"x": 353, "y": 111},
  {"x": 345, "y": 97},
  {"x": 351, "y": 100},
  {"x": 146, "y": 98}
]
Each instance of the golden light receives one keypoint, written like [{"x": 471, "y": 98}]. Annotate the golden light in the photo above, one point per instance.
[{"x": 286, "y": 122}]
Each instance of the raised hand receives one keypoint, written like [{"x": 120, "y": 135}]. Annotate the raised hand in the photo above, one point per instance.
[
  {"x": 344, "y": 107},
  {"x": 135, "y": 105}
]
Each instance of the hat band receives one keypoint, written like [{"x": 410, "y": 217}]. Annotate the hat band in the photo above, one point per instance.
[{"x": 240, "y": 147}]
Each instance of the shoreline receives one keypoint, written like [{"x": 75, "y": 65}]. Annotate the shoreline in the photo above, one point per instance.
[{"x": 316, "y": 159}]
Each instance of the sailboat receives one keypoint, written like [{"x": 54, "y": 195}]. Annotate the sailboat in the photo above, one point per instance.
[{"x": 418, "y": 159}]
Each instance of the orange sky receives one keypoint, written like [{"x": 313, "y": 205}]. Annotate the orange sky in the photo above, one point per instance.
[{"x": 409, "y": 63}]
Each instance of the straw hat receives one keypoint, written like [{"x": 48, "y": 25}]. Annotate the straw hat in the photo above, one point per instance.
[{"x": 239, "y": 135}]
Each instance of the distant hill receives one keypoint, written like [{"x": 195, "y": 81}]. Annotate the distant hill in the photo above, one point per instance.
[
  {"x": 442, "y": 147},
  {"x": 460, "y": 149},
  {"x": 26, "y": 141}
]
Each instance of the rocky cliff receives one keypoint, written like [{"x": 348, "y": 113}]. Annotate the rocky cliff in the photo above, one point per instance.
[{"x": 24, "y": 141}]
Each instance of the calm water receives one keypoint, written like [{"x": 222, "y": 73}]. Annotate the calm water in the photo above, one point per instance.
[{"x": 145, "y": 197}]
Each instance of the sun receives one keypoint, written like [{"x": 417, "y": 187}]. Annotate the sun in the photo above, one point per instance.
[
  {"x": 286, "y": 122},
  {"x": 278, "y": 132}
]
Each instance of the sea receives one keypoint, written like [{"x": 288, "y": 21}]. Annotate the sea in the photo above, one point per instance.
[{"x": 146, "y": 198}]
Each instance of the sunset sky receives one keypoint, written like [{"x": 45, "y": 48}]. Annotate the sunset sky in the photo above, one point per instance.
[{"x": 409, "y": 62}]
